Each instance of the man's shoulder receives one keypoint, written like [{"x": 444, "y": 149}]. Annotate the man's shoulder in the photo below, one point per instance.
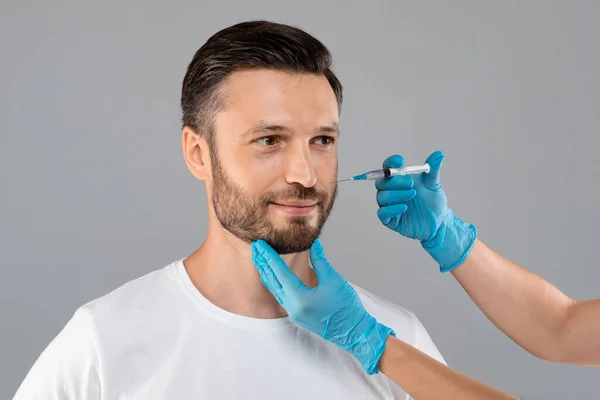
[{"x": 150, "y": 294}]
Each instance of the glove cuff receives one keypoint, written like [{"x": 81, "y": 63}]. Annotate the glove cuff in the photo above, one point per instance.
[
  {"x": 369, "y": 347},
  {"x": 379, "y": 341},
  {"x": 452, "y": 242}
]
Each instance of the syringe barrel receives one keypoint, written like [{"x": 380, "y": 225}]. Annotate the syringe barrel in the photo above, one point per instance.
[{"x": 416, "y": 169}]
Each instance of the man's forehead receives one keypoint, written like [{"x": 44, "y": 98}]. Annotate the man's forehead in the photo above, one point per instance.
[
  {"x": 265, "y": 100},
  {"x": 275, "y": 89}
]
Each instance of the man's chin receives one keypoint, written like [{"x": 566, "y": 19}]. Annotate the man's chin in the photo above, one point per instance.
[
  {"x": 292, "y": 240},
  {"x": 290, "y": 248}
]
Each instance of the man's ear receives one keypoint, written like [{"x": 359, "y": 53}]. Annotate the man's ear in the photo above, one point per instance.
[{"x": 196, "y": 154}]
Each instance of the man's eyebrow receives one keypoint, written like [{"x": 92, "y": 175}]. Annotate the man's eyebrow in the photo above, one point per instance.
[
  {"x": 333, "y": 128},
  {"x": 264, "y": 126}
]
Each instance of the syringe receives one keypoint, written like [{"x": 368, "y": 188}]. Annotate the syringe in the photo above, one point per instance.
[{"x": 388, "y": 172}]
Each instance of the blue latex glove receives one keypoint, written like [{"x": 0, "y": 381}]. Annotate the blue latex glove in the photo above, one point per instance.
[
  {"x": 332, "y": 310},
  {"x": 417, "y": 207}
]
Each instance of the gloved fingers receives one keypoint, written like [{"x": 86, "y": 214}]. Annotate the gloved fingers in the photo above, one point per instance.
[
  {"x": 386, "y": 213},
  {"x": 394, "y": 161},
  {"x": 281, "y": 271},
  {"x": 398, "y": 182},
  {"x": 435, "y": 160},
  {"x": 267, "y": 277},
  {"x": 320, "y": 264},
  {"x": 389, "y": 197}
]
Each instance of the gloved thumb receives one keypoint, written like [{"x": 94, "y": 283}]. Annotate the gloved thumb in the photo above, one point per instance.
[
  {"x": 394, "y": 161},
  {"x": 320, "y": 264},
  {"x": 435, "y": 161}
]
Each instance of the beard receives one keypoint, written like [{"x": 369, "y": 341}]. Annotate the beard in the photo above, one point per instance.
[{"x": 248, "y": 218}]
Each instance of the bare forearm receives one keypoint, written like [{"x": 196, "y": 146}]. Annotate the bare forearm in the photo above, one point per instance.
[
  {"x": 531, "y": 311},
  {"x": 581, "y": 335},
  {"x": 424, "y": 378}
]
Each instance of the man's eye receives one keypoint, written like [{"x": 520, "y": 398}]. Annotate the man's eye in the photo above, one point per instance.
[
  {"x": 267, "y": 141},
  {"x": 325, "y": 140}
]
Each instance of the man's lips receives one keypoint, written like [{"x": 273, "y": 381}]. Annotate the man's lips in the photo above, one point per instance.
[
  {"x": 297, "y": 203},
  {"x": 297, "y": 207}
]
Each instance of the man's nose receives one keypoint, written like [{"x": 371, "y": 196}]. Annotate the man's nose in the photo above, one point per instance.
[{"x": 299, "y": 168}]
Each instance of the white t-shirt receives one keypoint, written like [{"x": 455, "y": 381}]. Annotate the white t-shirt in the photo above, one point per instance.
[{"x": 157, "y": 337}]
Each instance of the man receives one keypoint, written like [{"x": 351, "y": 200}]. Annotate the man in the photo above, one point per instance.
[{"x": 260, "y": 128}]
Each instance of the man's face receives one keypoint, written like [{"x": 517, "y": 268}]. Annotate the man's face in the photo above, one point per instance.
[{"x": 274, "y": 157}]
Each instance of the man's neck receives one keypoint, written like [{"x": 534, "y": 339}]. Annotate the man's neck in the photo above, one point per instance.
[{"x": 223, "y": 272}]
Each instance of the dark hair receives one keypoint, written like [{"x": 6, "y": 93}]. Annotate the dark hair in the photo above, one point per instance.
[{"x": 248, "y": 45}]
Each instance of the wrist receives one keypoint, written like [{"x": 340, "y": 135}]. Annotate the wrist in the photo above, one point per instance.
[
  {"x": 451, "y": 243},
  {"x": 394, "y": 355}
]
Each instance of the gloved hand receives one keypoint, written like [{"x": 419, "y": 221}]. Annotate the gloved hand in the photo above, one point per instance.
[
  {"x": 332, "y": 310},
  {"x": 416, "y": 207}
]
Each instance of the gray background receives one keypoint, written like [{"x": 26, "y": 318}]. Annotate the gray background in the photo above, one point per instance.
[{"x": 95, "y": 191}]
